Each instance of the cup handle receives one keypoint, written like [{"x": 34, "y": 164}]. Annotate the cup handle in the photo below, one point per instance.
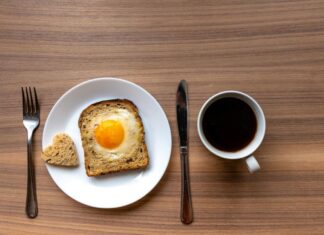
[{"x": 252, "y": 164}]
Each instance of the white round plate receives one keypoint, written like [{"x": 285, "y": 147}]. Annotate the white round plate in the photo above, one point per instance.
[{"x": 119, "y": 189}]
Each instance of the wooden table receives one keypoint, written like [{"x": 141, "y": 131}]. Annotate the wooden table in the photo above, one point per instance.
[{"x": 273, "y": 50}]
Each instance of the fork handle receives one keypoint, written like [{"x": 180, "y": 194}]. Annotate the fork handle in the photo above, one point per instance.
[{"x": 31, "y": 199}]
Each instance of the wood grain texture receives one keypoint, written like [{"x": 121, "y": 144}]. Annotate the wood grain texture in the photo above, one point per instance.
[{"x": 273, "y": 50}]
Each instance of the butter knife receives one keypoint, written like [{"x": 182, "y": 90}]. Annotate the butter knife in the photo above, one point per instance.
[{"x": 186, "y": 213}]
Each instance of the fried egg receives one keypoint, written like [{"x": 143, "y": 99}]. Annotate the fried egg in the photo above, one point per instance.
[{"x": 115, "y": 133}]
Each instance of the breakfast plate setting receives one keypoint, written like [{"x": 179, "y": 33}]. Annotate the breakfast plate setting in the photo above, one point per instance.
[{"x": 107, "y": 141}]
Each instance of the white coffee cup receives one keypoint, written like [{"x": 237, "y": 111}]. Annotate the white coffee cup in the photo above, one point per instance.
[{"x": 247, "y": 151}]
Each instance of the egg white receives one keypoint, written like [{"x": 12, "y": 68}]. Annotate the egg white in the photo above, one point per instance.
[{"x": 131, "y": 133}]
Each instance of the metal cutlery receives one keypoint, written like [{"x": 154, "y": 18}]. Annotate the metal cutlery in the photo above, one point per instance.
[
  {"x": 31, "y": 122},
  {"x": 186, "y": 213}
]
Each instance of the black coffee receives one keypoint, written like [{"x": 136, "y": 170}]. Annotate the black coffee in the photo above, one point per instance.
[{"x": 229, "y": 124}]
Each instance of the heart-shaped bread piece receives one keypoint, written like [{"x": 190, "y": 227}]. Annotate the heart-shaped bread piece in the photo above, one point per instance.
[{"x": 62, "y": 152}]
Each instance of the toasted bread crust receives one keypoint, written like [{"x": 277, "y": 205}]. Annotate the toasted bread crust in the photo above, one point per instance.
[{"x": 140, "y": 158}]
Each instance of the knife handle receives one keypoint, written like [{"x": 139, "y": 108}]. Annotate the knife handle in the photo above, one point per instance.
[{"x": 186, "y": 204}]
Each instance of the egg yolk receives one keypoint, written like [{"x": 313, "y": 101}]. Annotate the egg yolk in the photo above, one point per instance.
[{"x": 109, "y": 134}]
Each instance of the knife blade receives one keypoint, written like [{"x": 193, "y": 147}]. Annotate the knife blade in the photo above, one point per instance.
[
  {"x": 182, "y": 113},
  {"x": 186, "y": 213}
]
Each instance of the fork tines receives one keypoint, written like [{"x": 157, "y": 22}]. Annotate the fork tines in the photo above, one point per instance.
[{"x": 30, "y": 101}]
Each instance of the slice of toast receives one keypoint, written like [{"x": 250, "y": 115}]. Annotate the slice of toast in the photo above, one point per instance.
[
  {"x": 100, "y": 161},
  {"x": 62, "y": 152}
]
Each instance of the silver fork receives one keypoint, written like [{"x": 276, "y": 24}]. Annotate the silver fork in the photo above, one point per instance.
[{"x": 31, "y": 122}]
